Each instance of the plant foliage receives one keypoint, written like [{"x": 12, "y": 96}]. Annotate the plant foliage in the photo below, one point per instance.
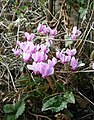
[{"x": 13, "y": 111}]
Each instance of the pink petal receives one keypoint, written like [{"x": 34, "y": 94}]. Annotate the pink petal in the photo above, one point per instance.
[
  {"x": 74, "y": 31},
  {"x": 29, "y": 36},
  {"x": 53, "y": 62},
  {"x": 45, "y": 30},
  {"x": 71, "y": 52},
  {"x": 45, "y": 69},
  {"x": 74, "y": 63},
  {"x": 73, "y": 37},
  {"x": 53, "y": 32},
  {"x": 48, "y": 72},
  {"x": 34, "y": 67},
  {"x": 26, "y": 56},
  {"x": 40, "y": 28},
  {"x": 78, "y": 32},
  {"x": 16, "y": 51}
]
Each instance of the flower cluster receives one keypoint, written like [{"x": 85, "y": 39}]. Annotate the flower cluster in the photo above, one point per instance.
[
  {"x": 50, "y": 33},
  {"x": 37, "y": 54},
  {"x": 46, "y": 30},
  {"x": 67, "y": 56},
  {"x": 45, "y": 69}
]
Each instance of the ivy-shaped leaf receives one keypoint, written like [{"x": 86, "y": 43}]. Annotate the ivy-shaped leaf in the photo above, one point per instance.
[
  {"x": 13, "y": 111},
  {"x": 58, "y": 102},
  {"x": 8, "y": 108},
  {"x": 55, "y": 104},
  {"x": 19, "y": 107}
]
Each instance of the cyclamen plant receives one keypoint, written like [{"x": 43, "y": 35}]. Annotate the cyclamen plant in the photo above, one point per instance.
[{"x": 38, "y": 54}]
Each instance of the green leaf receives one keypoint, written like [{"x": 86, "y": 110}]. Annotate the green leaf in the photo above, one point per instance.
[
  {"x": 68, "y": 41},
  {"x": 10, "y": 117},
  {"x": 8, "y": 108},
  {"x": 19, "y": 107},
  {"x": 13, "y": 111},
  {"x": 55, "y": 104},
  {"x": 69, "y": 97},
  {"x": 58, "y": 102},
  {"x": 23, "y": 81}
]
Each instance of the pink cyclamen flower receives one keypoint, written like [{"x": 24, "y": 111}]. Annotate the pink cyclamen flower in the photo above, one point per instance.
[
  {"x": 27, "y": 46},
  {"x": 45, "y": 69},
  {"x": 29, "y": 37},
  {"x": 34, "y": 67},
  {"x": 45, "y": 30},
  {"x": 59, "y": 54},
  {"x": 64, "y": 58},
  {"x": 53, "y": 32},
  {"x": 16, "y": 51},
  {"x": 39, "y": 56},
  {"x": 75, "y": 33},
  {"x": 44, "y": 48},
  {"x": 22, "y": 45},
  {"x": 74, "y": 63},
  {"x": 71, "y": 52}
]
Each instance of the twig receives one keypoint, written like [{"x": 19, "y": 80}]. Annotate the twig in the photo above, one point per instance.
[
  {"x": 10, "y": 75},
  {"x": 84, "y": 97},
  {"x": 3, "y": 25},
  {"x": 4, "y": 7},
  {"x": 85, "y": 33},
  {"x": 42, "y": 116},
  {"x": 16, "y": 10}
]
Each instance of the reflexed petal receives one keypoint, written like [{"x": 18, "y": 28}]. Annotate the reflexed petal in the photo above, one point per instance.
[
  {"x": 74, "y": 63},
  {"x": 30, "y": 67},
  {"x": 78, "y": 32},
  {"x": 29, "y": 36},
  {"x": 71, "y": 52},
  {"x": 26, "y": 56},
  {"x": 16, "y": 51},
  {"x": 40, "y": 28},
  {"x": 53, "y": 62},
  {"x": 48, "y": 71},
  {"x": 53, "y": 32},
  {"x": 73, "y": 37},
  {"x": 74, "y": 30},
  {"x": 45, "y": 30},
  {"x": 34, "y": 67}
]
